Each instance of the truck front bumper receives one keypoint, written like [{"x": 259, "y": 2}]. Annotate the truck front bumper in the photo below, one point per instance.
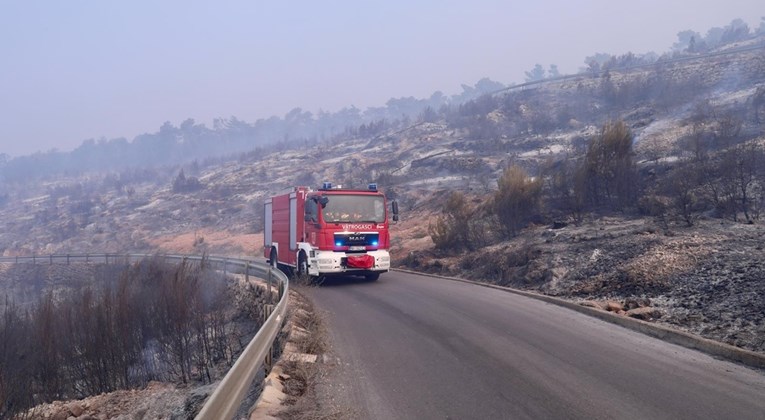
[{"x": 331, "y": 262}]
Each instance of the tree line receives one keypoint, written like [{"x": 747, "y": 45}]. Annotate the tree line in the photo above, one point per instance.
[{"x": 190, "y": 140}]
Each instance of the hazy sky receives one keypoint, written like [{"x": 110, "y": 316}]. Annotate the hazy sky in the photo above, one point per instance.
[{"x": 73, "y": 70}]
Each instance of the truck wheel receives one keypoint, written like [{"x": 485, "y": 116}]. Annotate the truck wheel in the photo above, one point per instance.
[
  {"x": 302, "y": 266},
  {"x": 372, "y": 276},
  {"x": 273, "y": 260}
]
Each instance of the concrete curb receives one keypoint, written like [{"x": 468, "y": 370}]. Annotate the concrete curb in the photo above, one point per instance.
[
  {"x": 269, "y": 402},
  {"x": 670, "y": 335}
]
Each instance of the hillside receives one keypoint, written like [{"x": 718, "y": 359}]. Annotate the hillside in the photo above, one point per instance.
[
  {"x": 672, "y": 108},
  {"x": 680, "y": 241}
]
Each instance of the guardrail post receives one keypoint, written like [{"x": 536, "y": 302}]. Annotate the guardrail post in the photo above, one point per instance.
[
  {"x": 106, "y": 257},
  {"x": 247, "y": 272},
  {"x": 34, "y": 259},
  {"x": 51, "y": 259},
  {"x": 225, "y": 266},
  {"x": 67, "y": 259},
  {"x": 87, "y": 257},
  {"x": 270, "y": 298}
]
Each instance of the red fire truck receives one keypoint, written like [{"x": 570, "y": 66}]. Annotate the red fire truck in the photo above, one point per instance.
[{"x": 330, "y": 231}]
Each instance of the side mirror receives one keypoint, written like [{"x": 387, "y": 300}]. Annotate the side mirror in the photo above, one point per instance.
[
  {"x": 311, "y": 210},
  {"x": 394, "y": 208}
]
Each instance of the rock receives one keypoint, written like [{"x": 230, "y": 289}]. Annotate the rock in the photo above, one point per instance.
[
  {"x": 76, "y": 409},
  {"x": 559, "y": 224},
  {"x": 633, "y": 303},
  {"x": 614, "y": 306},
  {"x": 644, "y": 313},
  {"x": 591, "y": 304},
  {"x": 63, "y": 414},
  {"x": 191, "y": 406}
]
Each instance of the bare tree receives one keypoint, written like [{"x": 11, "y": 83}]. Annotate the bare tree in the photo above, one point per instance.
[
  {"x": 564, "y": 188},
  {"x": 683, "y": 190},
  {"x": 745, "y": 159},
  {"x": 609, "y": 168},
  {"x": 758, "y": 105}
]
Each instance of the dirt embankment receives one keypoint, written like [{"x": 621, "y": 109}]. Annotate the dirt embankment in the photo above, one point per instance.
[{"x": 211, "y": 242}]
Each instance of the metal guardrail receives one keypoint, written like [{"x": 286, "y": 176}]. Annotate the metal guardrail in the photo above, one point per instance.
[{"x": 228, "y": 395}]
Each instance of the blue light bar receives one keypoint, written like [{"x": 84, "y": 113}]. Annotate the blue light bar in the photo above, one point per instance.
[
  {"x": 373, "y": 186},
  {"x": 326, "y": 185}
]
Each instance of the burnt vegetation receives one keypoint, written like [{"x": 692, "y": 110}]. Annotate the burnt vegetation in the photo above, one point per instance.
[
  {"x": 152, "y": 322},
  {"x": 186, "y": 184},
  {"x": 714, "y": 169},
  {"x": 156, "y": 322},
  {"x": 719, "y": 172}
]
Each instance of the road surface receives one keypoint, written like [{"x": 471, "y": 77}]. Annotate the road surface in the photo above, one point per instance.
[{"x": 415, "y": 347}]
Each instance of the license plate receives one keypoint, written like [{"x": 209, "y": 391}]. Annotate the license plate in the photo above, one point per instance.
[{"x": 357, "y": 248}]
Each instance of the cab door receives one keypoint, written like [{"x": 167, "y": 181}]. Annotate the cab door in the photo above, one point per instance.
[{"x": 311, "y": 220}]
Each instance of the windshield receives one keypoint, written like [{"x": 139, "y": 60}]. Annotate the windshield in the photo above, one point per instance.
[{"x": 354, "y": 209}]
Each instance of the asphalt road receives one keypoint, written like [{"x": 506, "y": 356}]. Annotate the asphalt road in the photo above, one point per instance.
[{"x": 415, "y": 347}]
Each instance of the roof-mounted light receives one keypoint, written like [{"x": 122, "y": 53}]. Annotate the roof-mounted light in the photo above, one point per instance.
[{"x": 373, "y": 186}]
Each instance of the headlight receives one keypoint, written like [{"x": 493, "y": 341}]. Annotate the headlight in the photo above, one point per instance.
[
  {"x": 325, "y": 261},
  {"x": 384, "y": 259}
]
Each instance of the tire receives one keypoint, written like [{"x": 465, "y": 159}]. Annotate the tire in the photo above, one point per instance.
[
  {"x": 273, "y": 259},
  {"x": 302, "y": 265},
  {"x": 372, "y": 276}
]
